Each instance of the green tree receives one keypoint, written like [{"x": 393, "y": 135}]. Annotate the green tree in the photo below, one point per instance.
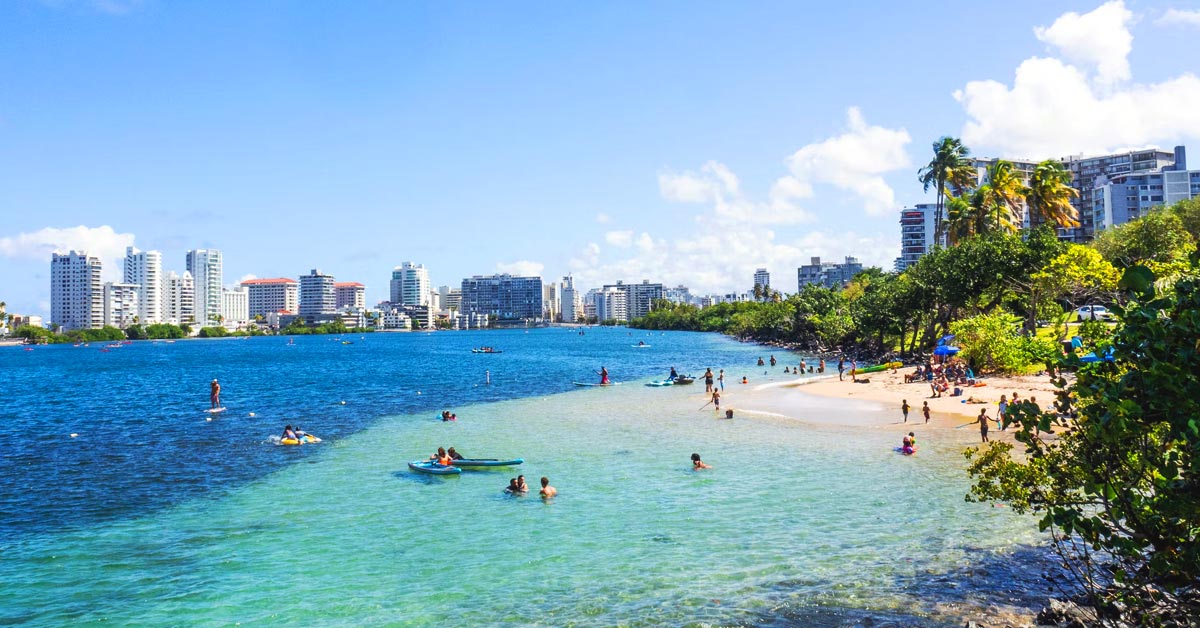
[
  {"x": 1049, "y": 195},
  {"x": 1119, "y": 486},
  {"x": 1157, "y": 240},
  {"x": 1189, "y": 216},
  {"x": 1003, "y": 195},
  {"x": 1077, "y": 276},
  {"x": 950, "y": 166}
]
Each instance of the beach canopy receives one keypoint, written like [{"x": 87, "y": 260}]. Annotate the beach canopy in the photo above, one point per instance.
[
  {"x": 1092, "y": 357},
  {"x": 945, "y": 350},
  {"x": 945, "y": 340}
]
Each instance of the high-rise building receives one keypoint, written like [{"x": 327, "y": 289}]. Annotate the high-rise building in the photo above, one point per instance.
[
  {"x": 1125, "y": 197},
  {"x": 350, "y": 294},
  {"x": 1086, "y": 170},
  {"x": 179, "y": 299},
  {"x": 144, "y": 269},
  {"x": 235, "y": 307},
  {"x": 272, "y": 296},
  {"x": 318, "y": 298},
  {"x": 762, "y": 278},
  {"x": 76, "y": 292},
  {"x": 121, "y": 304},
  {"x": 679, "y": 294},
  {"x": 828, "y": 274},
  {"x": 916, "y": 233},
  {"x": 449, "y": 299},
  {"x": 550, "y": 305},
  {"x": 571, "y": 302},
  {"x": 503, "y": 296},
  {"x": 639, "y": 297},
  {"x": 206, "y": 268},
  {"x": 410, "y": 284},
  {"x": 611, "y": 303}
]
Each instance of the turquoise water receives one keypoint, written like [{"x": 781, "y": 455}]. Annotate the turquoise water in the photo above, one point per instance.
[{"x": 794, "y": 514}]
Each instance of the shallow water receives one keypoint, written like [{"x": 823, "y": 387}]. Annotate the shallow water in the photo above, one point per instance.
[{"x": 794, "y": 514}]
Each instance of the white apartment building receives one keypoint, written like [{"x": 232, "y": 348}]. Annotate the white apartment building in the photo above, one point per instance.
[
  {"x": 179, "y": 299},
  {"x": 916, "y": 233},
  {"x": 350, "y": 294},
  {"x": 570, "y": 301},
  {"x": 762, "y": 277},
  {"x": 272, "y": 296},
  {"x": 611, "y": 303},
  {"x": 206, "y": 268},
  {"x": 235, "y": 307},
  {"x": 410, "y": 284},
  {"x": 121, "y": 304},
  {"x": 144, "y": 269},
  {"x": 396, "y": 319},
  {"x": 318, "y": 297},
  {"x": 76, "y": 292}
]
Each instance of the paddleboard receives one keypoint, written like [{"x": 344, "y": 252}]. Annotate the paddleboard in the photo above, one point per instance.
[
  {"x": 433, "y": 468},
  {"x": 665, "y": 382},
  {"x": 215, "y": 410},
  {"x": 641, "y": 346},
  {"x": 592, "y": 384},
  {"x": 487, "y": 462}
]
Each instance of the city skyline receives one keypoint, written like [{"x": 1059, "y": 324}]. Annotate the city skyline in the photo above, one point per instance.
[{"x": 634, "y": 151}]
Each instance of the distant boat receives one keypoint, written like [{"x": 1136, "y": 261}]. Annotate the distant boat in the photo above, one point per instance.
[
  {"x": 486, "y": 350},
  {"x": 347, "y": 342}
]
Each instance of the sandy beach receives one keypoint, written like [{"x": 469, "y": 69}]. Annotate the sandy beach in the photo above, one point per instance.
[{"x": 825, "y": 399}]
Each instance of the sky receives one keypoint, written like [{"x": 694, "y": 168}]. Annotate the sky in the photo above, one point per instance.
[{"x": 681, "y": 142}]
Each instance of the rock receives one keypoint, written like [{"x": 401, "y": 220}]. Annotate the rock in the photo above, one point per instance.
[{"x": 1064, "y": 613}]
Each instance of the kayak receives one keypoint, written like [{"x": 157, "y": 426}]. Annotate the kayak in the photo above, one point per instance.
[
  {"x": 684, "y": 379},
  {"x": 593, "y": 384},
  {"x": 487, "y": 462},
  {"x": 484, "y": 351},
  {"x": 433, "y": 468},
  {"x": 661, "y": 382},
  {"x": 880, "y": 367}
]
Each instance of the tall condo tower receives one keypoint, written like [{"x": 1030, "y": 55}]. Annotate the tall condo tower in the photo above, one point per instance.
[
  {"x": 205, "y": 267},
  {"x": 76, "y": 292},
  {"x": 410, "y": 285},
  {"x": 144, "y": 269}
]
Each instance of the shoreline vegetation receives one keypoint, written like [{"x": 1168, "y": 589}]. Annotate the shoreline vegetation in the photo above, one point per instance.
[{"x": 29, "y": 334}]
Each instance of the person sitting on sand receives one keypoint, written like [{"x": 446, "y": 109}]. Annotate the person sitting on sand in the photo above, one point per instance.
[
  {"x": 697, "y": 464},
  {"x": 547, "y": 491}
]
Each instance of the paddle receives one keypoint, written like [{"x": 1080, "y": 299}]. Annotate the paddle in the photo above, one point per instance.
[{"x": 704, "y": 406}]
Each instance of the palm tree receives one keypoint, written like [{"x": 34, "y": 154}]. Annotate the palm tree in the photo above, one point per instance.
[
  {"x": 1004, "y": 195},
  {"x": 949, "y": 165},
  {"x": 1049, "y": 196}
]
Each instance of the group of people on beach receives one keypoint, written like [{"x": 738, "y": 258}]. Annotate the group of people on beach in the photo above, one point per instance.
[{"x": 941, "y": 377}]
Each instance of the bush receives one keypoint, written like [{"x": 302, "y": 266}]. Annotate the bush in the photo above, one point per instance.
[{"x": 991, "y": 342}]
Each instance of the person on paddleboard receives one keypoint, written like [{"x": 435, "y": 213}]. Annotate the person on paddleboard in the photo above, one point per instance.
[
  {"x": 214, "y": 394},
  {"x": 603, "y": 372}
]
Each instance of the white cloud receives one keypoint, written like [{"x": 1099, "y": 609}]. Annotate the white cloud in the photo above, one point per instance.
[
  {"x": 1054, "y": 109},
  {"x": 521, "y": 268},
  {"x": 1100, "y": 39},
  {"x": 245, "y": 278},
  {"x": 622, "y": 239},
  {"x": 603, "y": 218},
  {"x": 717, "y": 185},
  {"x": 690, "y": 187},
  {"x": 103, "y": 242},
  {"x": 854, "y": 161},
  {"x": 1179, "y": 17}
]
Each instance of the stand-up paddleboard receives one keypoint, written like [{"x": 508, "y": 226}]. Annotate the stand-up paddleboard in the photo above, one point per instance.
[
  {"x": 432, "y": 468},
  {"x": 664, "y": 382},
  {"x": 595, "y": 384},
  {"x": 216, "y": 410},
  {"x": 486, "y": 462},
  {"x": 641, "y": 346}
]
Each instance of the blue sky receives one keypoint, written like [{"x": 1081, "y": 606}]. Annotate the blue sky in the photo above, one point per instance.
[{"x": 672, "y": 141}]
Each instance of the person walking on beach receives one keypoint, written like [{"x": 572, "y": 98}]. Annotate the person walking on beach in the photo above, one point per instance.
[
  {"x": 214, "y": 394},
  {"x": 708, "y": 380},
  {"x": 904, "y": 409},
  {"x": 983, "y": 424},
  {"x": 925, "y": 410},
  {"x": 721, "y": 379},
  {"x": 547, "y": 491},
  {"x": 854, "y": 370},
  {"x": 1000, "y": 410},
  {"x": 841, "y": 368}
]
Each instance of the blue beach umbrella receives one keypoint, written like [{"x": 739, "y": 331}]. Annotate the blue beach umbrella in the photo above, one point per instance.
[{"x": 945, "y": 350}]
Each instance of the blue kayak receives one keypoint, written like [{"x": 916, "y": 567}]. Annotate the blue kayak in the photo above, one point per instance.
[
  {"x": 661, "y": 382},
  {"x": 433, "y": 468},
  {"x": 487, "y": 462}
]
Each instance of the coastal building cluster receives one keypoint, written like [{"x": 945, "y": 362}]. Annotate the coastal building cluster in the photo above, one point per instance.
[{"x": 1110, "y": 190}]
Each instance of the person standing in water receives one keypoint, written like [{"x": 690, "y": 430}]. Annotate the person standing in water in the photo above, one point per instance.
[
  {"x": 708, "y": 380},
  {"x": 214, "y": 394},
  {"x": 547, "y": 491},
  {"x": 925, "y": 409},
  {"x": 904, "y": 409},
  {"x": 721, "y": 379},
  {"x": 603, "y": 372},
  {"x": 983, "y": 424},
  {"x": 716, "y": 399}
]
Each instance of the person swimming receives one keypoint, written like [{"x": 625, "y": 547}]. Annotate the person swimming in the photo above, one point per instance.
[{"x": 698, "y": 464}]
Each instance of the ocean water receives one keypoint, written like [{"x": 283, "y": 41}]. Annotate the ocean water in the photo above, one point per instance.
[{"x": 154, "y": 516}]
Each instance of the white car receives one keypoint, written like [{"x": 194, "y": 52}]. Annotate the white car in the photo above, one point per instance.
[{"x": 1094, "y": 312}]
